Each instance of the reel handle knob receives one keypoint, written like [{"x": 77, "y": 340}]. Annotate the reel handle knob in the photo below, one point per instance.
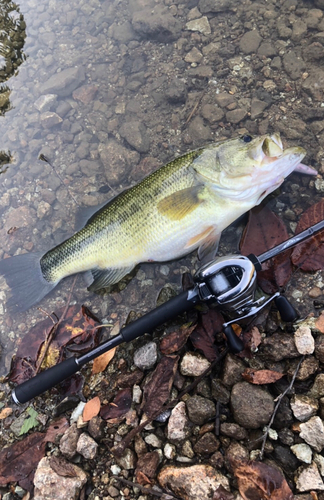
[
  {"x": 287, "y": 312},
  {"x": 235, "y": 343}
]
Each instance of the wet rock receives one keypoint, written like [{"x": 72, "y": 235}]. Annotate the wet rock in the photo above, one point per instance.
[
  {"x": 45, "y": 102},
  {"x": 87, "y": 446},
  {"x": 178, "y": 423},
  {"x": 157, "y": 24},
  {"x": 293, "y": 65},
  {"x": 303, "y": 407},
  {"x": 200, "y": 410},
  {"x": 314, "y": 84},
  {"x": 313, "y": 433},
  {"x": 206, "y": 6},
  {"x": 49, "y": 119},
  {"x": 304, "y": 340},
  {"x": 191, "y": 483},
  {"x": 251, "y": 405},
  {"x": 285, "y": 458},
  {"x": 207, "y": 444},
  {"x": 236, "y": 116},
  {"x": 233, "y": 369},
  {"x": 308, "y": 478},
  {"x": 85, "y": 94},
  {"x": 257, "y": 108},
  {"x": 283, "y": 30},
  {"x": 250, "y": 42},
  {"x": 212, "y": 113},
  {"x": 176, "y": 92},
  {"x": 224, "y": 99},
  {"x": 313, "y": 52},
  {"x": 193, "y": 365},
  {"x": 44, "y": 209},
  {"x": 299, "y": 30},
  {"x": 194, "y": 56},
  {"x": 145, "y": 357},
  {"x": 117, "y": 161},
  {"x": 303, "y": 452},
  {"x": 267, "y": 49},
  {"x": 198, "y": 131},
  {"x": 233, "y": 431},
  {"x": 64, "y": 82},
  {"x": 49, "y": 484},
  {"x": 277, "y": 347},
  {"x": 201, "y": 25},
  {"x": 69, "y": 441},
  {"x": 136, "y": 134}
]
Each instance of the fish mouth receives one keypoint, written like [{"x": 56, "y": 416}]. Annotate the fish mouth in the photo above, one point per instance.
[{"x": 268, "y": 149}]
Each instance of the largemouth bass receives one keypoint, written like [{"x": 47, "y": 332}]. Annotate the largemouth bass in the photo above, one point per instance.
[{"x": 183, "y": 206}]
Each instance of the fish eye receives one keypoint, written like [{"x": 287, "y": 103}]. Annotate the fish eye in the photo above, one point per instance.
[{"x": 246, "y": 138}]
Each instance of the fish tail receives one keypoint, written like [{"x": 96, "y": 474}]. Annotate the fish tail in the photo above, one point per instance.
[{"x": 27, "y": 284}]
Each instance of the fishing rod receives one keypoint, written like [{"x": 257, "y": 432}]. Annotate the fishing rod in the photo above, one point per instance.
[{"x": 228, "y": 283}]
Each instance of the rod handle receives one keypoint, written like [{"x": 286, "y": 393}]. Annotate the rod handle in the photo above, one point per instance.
[{"x": 44, "y": 381}]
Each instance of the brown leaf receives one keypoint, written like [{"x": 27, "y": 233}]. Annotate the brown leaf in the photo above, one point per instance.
[
  {"x": 264, "y": 231},
  {"x": 119, "y": 406},
  {"x": 203, "y": 337},
  {"x": 157, "y": 389},
  {"x": 175, "y": 340},
  {"x": 5, "y": 412},
  {"x": 62, "y": 467},
  {"x": 261, "y": 481},
  {"x": 142, "y": 479},
  {"x": 261, "y": 376},
  {"x": 147, "y": 464},
  {"x": 101, "y": 362},
  {"x": 91, "y": 409},
  {"x": 222, "y": 494},
  {"x": 309, "y": 255}
]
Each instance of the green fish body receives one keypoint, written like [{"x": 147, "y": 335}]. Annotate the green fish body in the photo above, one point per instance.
[{"x": 183, "y": 206}]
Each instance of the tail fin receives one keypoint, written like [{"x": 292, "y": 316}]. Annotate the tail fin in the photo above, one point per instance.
[{"x": 26, "y": 281}]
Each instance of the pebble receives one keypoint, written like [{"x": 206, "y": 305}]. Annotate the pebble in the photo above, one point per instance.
[
  {"x": 45, "y": 102},
  {"x": 308, "y": 478},
  {"x": 127, "y": 460},
  {"x": 200, "y": 410},
  {"x": 64, "y": 82},
  {"x": 193, "y": 482},
  {"x": 207, "y": 444},
  {"x": 201, "y": 25},
  {"x": 277, "y": 347},
  {"x": 250, "y": 42},
  {"x": 252, "y": 406},
  {"x": 303, "y": 407},
  {"x": 178, "y": 423},
  {"x": 136, "y": 134},
  {"x": 233, "y": 431},
  {"x": 317, "y": 390},
  {"x": 169, "y": 451},
  {"x": 312, "y": 432},
  {"x": 145, "y": 357},
  {"x": 304, "y": 340},
  {"x": 87, "y": 446},
  {"x": 193, "y": 365},
  {"x": 303, "y": 452},
  {"x": 153, "y": 440},
  {"x": 49, "y": 484},
  {"x": 232, "y": 371},
  {"x": 69, "y": 441}
]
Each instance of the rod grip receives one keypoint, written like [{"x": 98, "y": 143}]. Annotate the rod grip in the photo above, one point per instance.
[{"x": 44, "y": 381}]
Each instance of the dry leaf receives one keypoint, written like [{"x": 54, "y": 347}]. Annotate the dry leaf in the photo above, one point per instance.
[
  {"x": 203, "y": 336},
  {"x": 101, "y": 362},
  {"x": 62, "y": 467},
  {"x": 91, "y": 409},
  {"x": 261, "y": 376},
  {"x": 257, "y": 480},
  {"x": 5, "y": 412},
  {"x": 119, "y": 406},
  {"x": 222, "y": 494},
  {"x": 175, "y": 340}
]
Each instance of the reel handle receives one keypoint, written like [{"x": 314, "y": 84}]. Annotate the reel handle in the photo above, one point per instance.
[
  {"x": 234, "y": 342},
  {"x": 287, "y": 312}
]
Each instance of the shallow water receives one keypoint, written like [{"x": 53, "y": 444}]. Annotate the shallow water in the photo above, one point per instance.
[{"x": 186, "y": 77}]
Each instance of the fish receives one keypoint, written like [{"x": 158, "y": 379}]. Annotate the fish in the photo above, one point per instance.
[{"x": 181, "y": 207}]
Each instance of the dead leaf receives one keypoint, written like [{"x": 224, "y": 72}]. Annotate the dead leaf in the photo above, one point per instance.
[
  {"x": 157, "y": 388},
  {"x": 222, "y": 494},
  {"x": 260, "y": 377},
  {"x": 119, "y": 406},
  {"x": 146, "y": 467},
  {"x": 175, "y": 340},
  {"x": 309, "y": 255},
  {"x": 62, "y": 467},
  {"x": 203, "y": 336},
  {"x": 101, "y": 362},
  {"x": 5, "y": 412},
  {"x": 91, "y": 409},
  {"x": 261, "y": 481},
  {"x": 264, "y": 231}
]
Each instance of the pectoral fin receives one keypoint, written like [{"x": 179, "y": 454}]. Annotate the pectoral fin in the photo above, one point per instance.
[
  {"x": 177, "y": 205},
  {"x": 207, "y": 241},
  {"x": 101, "y": 278}
]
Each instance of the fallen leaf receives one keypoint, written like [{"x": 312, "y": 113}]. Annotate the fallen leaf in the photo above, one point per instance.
[
  {"x": 264, "y": 231},
  {"x": 101, "y": 362},
  {"x": 30, "y": 421},
  {"x": 309, "y": 255},
  {"x": 260, "y": 377},
  {"x": 203, "y": 336},
  {"x": 175, "y": 340},
  {"x": 5, "y": 412},
  {"x": 91, "y": 409},
  {"x": 222, "y": 494},
  {"x": 257, "y": 480},
  {"x": 62, "y": 467},
  {"x": 119, "y": 406},
  {"x": 157, "y": 389},
  {"x": 146, "y": 467}
]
